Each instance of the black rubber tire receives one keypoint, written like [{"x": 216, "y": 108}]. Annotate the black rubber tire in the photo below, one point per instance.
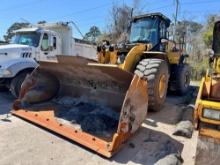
[
  {"x": 183, "y": 79},
  {"x": 3, "y": 88},
  {"x": 151, "y": 70},
  {"x": 16, "y": 83}
]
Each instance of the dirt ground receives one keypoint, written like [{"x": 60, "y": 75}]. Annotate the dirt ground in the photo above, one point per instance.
[
  {"x": 22, "y": 143},
  {"x": 208, "y": 151}
]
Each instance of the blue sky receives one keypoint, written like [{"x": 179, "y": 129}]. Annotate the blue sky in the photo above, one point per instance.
[{"x": 94, "y": 12}]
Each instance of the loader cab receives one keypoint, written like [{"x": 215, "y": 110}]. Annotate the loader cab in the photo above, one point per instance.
[
  {"x": 149, "y": 28},
  {"x": 216, "y": 39}
]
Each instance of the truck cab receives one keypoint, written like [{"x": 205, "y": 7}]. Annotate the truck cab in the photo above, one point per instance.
[{"x": 36, "y": 43}]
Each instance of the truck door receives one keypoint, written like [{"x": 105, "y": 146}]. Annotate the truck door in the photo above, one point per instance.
[{"x": 49, "y": 47}]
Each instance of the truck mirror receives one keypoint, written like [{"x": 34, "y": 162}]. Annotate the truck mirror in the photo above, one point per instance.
[
  {"x": 164, "y": 41},
  {"x": 167, "y": 34},
  {"x": 186, "y": 55},
  {"x": 210, "y": 53}
]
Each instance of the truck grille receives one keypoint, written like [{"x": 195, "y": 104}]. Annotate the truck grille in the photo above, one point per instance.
[{"x": 26, "y": 55}]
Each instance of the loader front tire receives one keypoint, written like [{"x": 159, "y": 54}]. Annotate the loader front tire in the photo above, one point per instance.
[
  {"x": 156, "y": 73},
  {"x": 183, "y": 79}
]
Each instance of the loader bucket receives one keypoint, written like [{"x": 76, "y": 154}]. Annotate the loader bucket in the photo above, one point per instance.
[{"x": 98, "y": 106}]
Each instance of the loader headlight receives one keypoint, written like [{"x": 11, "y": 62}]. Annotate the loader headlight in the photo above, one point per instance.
[
  {"x": 5, "y": 72},
  {"x": 211, "y": 114}
]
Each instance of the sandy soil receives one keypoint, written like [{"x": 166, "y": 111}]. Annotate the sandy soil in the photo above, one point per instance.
[{"x": 23, "y": 144}]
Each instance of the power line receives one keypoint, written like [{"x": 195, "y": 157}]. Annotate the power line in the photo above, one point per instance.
[
  {"x": 81, "y": 11},
  {"x": 146, "y": 4},
  {"x": 92, "y": 23},
  {"x": 199, "y": 11},
  {"x": 21, "y": 5},
  {"x": 162, "y": 7},
  {"x": 89, "y": 19},
  {"x": 199, "y": 2},
  {"x": 185, "y": 3}
]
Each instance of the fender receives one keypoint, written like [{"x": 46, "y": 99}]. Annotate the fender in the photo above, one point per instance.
[{"x": 17, "y": 65}]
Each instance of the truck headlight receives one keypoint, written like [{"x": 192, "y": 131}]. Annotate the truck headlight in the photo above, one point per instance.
[
  {"x": 5, "y": 72},
  {"x": 211, "y": 114}
]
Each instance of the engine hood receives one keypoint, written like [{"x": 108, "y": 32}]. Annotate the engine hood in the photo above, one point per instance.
[
  {"x": 14, "y": 47},
  {"x": 13, "y": 51}
]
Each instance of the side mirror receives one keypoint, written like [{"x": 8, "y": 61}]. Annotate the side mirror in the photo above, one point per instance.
[
  {"x": 129, "y": 26},
  {"x": 186, "y": 55},
  {"x": 167, "y": 34},
  {"x": 164, "y": 41},
  {"x": 210, "y": 53}
]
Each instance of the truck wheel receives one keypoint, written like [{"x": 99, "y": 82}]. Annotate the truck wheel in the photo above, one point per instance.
[
  {"x": 3, "y": 89},
  {"x": 3, "y": 86},
  {"x": 16, "y": 82},
  {"x": 156, "y": 73},
  {"x": 183, "y": 79}
]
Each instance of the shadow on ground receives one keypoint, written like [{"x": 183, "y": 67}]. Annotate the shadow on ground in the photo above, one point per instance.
[
  {"x": 6, "y": 100},
  {"x": 208, "y": 151},
  {"x": 172, "y": 110},
  {"x": 147, "y": 147}
]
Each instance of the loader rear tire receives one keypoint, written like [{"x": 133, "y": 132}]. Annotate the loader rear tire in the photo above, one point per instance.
[
  {"x": 183, "y": 79},
  {"x": 16, "y": 82},
  {"x": 156, "y": 73}
]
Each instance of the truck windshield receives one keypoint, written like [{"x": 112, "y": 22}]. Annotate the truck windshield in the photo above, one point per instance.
[
  {"x": 31, "y": 39},
  {"x": 144, "y": 31}
]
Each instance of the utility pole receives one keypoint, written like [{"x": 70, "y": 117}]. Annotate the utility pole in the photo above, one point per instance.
[{"x": 175, "y": 19}]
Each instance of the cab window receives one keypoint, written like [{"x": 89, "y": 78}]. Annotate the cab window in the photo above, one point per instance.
[
  {"x": 163, "y": 30},
  {"x": 45, "y": 42},
  {"x": 54, "y": 42}
]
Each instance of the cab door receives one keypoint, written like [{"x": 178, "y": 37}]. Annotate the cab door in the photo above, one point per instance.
[{"x": 49, "y": 48}]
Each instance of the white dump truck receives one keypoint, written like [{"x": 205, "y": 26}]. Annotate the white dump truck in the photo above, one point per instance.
[{"x": 37, "y": 43}]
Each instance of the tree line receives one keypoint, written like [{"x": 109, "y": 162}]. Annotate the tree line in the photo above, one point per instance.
[{"x": 198, "y": 37}]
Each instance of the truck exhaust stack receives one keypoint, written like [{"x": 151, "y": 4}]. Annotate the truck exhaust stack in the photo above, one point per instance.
[{"x": 98, "y": 106}]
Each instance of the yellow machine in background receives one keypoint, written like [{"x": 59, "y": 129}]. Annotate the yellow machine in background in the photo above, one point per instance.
[
  {"x": 207, "y": 109},
  {"x": 151, "y": 55}
]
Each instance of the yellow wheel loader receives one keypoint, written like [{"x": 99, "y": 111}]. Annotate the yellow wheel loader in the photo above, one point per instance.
[
  {"x": 151, "y": 55},
  {"x": 101, "y": 104},
  {"x": 207, "y": 108}
]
